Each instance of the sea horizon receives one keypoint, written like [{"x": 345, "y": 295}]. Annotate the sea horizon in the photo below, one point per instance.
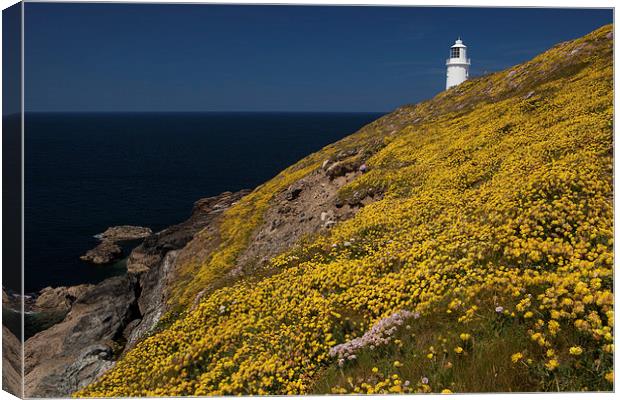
[{"x": 203, "y": 112}]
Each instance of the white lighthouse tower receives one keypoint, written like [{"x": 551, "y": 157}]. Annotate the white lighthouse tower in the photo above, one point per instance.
[{"x": 458, "y": 64}]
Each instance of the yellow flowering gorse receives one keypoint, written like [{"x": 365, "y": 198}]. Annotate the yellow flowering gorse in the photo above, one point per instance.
[{"x": 497, "y": 207}]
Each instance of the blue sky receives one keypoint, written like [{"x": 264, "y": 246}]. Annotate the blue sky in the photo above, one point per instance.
[{"x": 175, "y": 57}]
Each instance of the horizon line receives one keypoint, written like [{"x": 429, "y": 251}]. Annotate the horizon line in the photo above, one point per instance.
[{"x": 192, "y": 111}]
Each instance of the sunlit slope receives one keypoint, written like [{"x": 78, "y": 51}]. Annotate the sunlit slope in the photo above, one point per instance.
[{"x": 494, "y": 237}]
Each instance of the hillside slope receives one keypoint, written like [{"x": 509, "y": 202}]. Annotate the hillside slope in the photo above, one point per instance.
[{"x": 474, "y": 254}]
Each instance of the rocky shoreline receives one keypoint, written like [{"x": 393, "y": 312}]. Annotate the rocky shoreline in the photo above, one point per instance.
[{"x": 104, "y": 320}]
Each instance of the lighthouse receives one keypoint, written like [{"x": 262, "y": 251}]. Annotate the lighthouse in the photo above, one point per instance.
[{"x": 458, "y": 64}]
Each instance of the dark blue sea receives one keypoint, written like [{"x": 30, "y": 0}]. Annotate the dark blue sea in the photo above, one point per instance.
[{"x": 85, "y": 172}]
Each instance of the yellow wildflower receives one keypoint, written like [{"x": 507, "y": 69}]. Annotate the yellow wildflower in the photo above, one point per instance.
[
  {"x": 516, "y": 357},
  {"x": 575, "y": 350},
  {"x": 552, "y": 364}
]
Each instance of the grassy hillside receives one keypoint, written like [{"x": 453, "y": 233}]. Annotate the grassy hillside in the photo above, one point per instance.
[{"x": 485, "y": 266}]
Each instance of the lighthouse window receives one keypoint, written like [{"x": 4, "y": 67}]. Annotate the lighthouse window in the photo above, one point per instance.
[{"x": 454, "y": 52}]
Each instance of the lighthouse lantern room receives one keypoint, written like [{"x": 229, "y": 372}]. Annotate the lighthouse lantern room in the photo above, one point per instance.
[{"x": 458, "y": 64}]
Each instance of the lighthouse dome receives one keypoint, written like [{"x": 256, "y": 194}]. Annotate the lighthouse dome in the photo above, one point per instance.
[{"x": 458, "y": 43}]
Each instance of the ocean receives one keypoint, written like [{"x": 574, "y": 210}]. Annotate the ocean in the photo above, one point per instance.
[{"x": 85, "y": 172}]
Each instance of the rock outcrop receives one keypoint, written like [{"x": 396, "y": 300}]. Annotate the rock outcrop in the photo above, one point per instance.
[
  {"x": 72, "y": 353},
  {"x": 59, "y": 299},
  {"x": 109, "y": 250},
  {"x": 11, "y": 364},
  {"x": 124, "y": 232},
  {"x": 308, "y": 206},
  {"x": 104, "y": 253}
]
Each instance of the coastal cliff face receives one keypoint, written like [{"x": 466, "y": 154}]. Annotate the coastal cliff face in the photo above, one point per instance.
[
  {"x": 61, "y": 359},
  {"x": 460, "y": 244}
]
